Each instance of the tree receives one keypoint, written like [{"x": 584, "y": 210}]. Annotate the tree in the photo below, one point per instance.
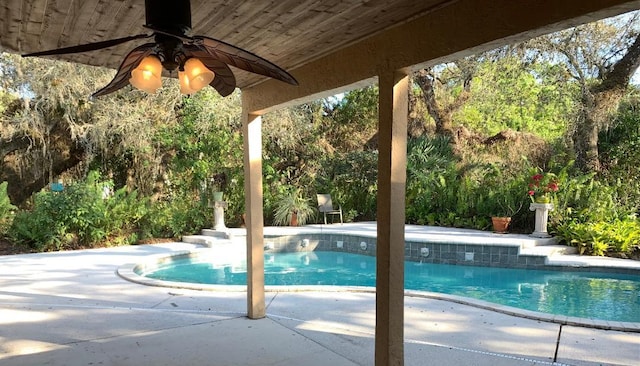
[
  {"x": 602, "y": 57},
  {"x": 354, "y": 115},
  {"x": 514, "y": 93},
  {"x": 50, "y": 126},
  {"x": 37, "y": 134},
  {"x": 456, "y": 77}
]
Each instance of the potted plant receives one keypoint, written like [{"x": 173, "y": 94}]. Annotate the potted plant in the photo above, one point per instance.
[
  {"x": 293, "y": 209},
  {"x": 500, "y": 224},
  {"x": 542, "y": 186},
  {"x": 507, "y": 205},
  {"x": 212, "y": 188}
]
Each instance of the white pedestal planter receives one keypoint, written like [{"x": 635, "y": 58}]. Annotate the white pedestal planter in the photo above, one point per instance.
[
  {"x": 218, "y": 215},
  {"x": 542, "y": 216}
]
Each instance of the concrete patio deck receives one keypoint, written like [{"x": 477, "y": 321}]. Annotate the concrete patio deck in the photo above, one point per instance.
[{"x": 70, "y": 308}]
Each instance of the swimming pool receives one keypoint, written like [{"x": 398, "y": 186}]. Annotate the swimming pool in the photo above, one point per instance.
[{"x": 604, "y": 296}]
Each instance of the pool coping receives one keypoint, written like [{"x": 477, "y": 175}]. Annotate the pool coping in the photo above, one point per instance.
[
  {"x": 456, "y": 236},
  {"x": 127, "y": 272}
]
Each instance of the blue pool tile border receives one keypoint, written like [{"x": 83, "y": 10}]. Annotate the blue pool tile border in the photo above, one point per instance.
[{"x": 456, "y": 253}]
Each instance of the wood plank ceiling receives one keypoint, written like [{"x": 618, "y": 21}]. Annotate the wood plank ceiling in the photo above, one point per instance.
[{"x": 289, "y": 33}]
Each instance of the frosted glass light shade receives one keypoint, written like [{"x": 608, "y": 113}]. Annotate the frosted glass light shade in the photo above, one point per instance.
[
  {"x": 197, "y": 74},
  {"x": 184, "y": 83},
  {"x": 147, "y": 76}
]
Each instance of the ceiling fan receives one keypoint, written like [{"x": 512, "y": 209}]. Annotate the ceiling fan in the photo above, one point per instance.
[{"x": 200, "y": 60}]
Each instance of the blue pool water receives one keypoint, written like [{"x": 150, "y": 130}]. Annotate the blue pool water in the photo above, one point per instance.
[{"x": 606, "y": 296}]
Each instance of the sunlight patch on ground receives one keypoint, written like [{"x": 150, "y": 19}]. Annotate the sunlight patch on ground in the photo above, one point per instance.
[
  {"x": 41, "y": 288},
  {"x": 12, "y": 316},
  {"x": 20, "y": 347},
  {"x": 525, "y": 331},
  {"x": 334, "y": 328}
]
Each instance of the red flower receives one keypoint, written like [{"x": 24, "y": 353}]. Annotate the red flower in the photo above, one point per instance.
[{"x": 540, "y": 185}]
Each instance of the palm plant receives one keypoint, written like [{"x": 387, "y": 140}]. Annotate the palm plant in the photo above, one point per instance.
[{"x": 292, "y": 208}]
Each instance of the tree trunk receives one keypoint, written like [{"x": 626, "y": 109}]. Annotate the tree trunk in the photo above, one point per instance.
[
  {"x": 443, "y": 114},
  {"x": 597, "y": 109},
  {"x": 28, "y": 165},
  {"x": 599, "y": 103},
  {"x": 442, "y": 117},
  {"x": 417, "y": 125}
]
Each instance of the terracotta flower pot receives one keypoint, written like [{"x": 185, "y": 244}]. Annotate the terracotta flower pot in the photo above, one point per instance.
[{"x": 500, "y": 224}]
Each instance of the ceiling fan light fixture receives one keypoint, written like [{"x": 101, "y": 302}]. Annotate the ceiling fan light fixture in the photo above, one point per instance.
[
  {"x": 147, "y": 76},
  {"x": 197, "y": 75},
  {"x": 184, "y": 84},
  {"x": 206, "y": 58}
]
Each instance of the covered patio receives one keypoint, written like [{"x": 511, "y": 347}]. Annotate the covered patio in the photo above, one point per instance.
[{"x": 329, "y": 47}]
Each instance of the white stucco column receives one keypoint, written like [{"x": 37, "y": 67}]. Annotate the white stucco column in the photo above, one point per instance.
[
  {"x": 252, "y": 137},
  {"x": 392, "y": 168}
]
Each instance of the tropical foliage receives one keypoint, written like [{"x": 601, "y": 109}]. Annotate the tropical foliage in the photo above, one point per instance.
[
  {"x": 82, "y": 214},
  {"x": 292, "y": 208},
  {"x": 7, "y": 210}
]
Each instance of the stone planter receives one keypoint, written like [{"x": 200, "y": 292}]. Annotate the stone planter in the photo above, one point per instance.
[
  {"x": 542, "y": 217},
  {"x": 217, "y": 196}
]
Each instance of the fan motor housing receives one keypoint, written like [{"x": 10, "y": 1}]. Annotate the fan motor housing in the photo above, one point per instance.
[{"x": 170, "y": 15}]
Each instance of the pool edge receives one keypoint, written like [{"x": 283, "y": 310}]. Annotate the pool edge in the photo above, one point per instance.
[{"x": 127, "y": 272}]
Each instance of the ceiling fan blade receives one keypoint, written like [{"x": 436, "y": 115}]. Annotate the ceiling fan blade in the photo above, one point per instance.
[
  {"x": 224, "y": 81},
  {"x": 182, "y": 37},
  {"x": 87, "y": 47},
  {"x": 131, "y": 60},
  {"x": 245, "y": 60}
]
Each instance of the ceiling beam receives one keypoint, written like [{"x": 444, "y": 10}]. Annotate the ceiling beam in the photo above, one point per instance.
[{"x": 454, "y": 30}]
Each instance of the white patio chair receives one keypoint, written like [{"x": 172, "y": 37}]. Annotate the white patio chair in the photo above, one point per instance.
[{"x": 326, "y": 207}]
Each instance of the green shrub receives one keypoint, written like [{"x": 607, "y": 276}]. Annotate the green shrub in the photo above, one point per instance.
[
  {"x": 177, "y": 215},
  {"x": 600, "y": 238},
  {"x": 7, "y": 210},
  {"x": 41, "y": 228},
  {"x": 619, "y": 151},
  {"x": 123, "y": 213},
  {"x": 82, "y": 215},
  {"x": 594, "y": 214},
  {"x": 187, "y": 217},
  {"x": 351, "y": 178},
  {"x": 442, "y": 191},
  {"x": 156, "y": 223}
]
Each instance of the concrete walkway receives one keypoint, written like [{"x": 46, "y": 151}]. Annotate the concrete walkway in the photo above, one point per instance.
[{"x": 70, "y": 308}]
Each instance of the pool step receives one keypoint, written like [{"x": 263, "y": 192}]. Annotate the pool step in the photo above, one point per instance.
[
  {"x": 545, "y": 247},
  {"x": 205, "y": 240},
  {"x": 215, "y": 233},
  {"x": 548, "y": 250},
  {"x": 228, "y": 233},
  {"x": 529, "y": 242}
]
